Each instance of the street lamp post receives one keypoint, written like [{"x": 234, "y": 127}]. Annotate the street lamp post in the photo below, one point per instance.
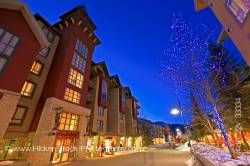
[{"x": 176, "y": 111}]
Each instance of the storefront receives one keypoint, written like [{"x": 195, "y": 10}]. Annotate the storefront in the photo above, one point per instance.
[{"x": 66, "y": 138}]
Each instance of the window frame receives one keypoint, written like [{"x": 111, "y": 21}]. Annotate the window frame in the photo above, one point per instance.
[
  {"x": 75, "y": 126},
  {"x": 32, "y": 94},
  {"x": 8, "y": 58},
  {"x": 41, "y": 70},
  {"x": 23, "y": 117},
  {"x": 100, "y": 124},
  {"x": 72, "y": 96},
  {"x": 101, "y": 113},
  {"x": 75, "y": 82},
  {"x": 46, "y": 56},
  {"x": 234, "y": 11},
  {"x": 104, "y": 90},
  {"x": 49, "y": 32}
]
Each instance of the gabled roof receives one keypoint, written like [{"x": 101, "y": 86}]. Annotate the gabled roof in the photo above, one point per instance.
[
  {"x": 116, "y": 78},
  {"x": 82, "y": 10},
  {"x": 200, "y": 4},
  {"x": 42, "y": 19},
  {"x": 19, "y": 6},
  {"x": 104, "y": 67}
]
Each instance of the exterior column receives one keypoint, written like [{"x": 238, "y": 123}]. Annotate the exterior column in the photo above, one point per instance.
[{"x": 8, "y": 103}]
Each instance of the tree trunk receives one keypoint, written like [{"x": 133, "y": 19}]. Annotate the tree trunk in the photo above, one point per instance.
[{"x": 244, "y": 140}]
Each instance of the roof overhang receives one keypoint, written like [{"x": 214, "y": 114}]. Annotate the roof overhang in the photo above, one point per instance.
[
  {"x": 31, "y": 21},
  {"x": 223, "y": 36},
  {"x": 200, "y": 4}
]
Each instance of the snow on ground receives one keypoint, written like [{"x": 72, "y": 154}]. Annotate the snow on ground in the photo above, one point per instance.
[{"x": 217, "y": 156}]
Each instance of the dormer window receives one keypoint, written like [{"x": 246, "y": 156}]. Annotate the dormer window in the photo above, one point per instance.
[{"x": 239, "y": 8}]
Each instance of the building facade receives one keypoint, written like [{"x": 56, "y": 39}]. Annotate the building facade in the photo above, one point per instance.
[
  {"x": 46, "y": 104},
  {"x": 234, "y": 17}
]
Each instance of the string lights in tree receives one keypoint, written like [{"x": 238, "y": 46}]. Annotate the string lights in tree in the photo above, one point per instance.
[{"x": 187, "y": 64}]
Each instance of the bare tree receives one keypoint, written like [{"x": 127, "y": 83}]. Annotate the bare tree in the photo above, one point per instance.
[{"x": 187, "y": 64}]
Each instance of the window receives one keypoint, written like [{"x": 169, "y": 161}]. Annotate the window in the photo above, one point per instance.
[
  {"x": 8, "y": 43},
  {"x": 81, "y": 48},
  {"x": 239, "y": 8},
  {"x": 36, "y": 68},
  {"x": 79, "y": 62},
  {"x": 69, "y": 122},
  {"x": 104, "y": 94},
  {"x": 80, "y": 56},
  {"x": 28, "y": 89},
  {"x": 49, "y": 35},
  {"x": 75, "y": 78},
  {"x": 123, "y": 99},
  {"x": 99, "y": 125},
  {"x": 100, "y": 111},
  {"x": 44, "y": 52},
  {"x": 19, "y": 115},
  {"x": 72, "y": 96}
]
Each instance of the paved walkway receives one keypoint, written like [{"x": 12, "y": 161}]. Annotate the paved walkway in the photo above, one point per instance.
[{"x": 153, "y": 157}]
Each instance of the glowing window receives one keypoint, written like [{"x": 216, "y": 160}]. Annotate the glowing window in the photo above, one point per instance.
[
  {"x": 69, "y": 122},
  {"x": 75, "y": 78},
  {"x": 28, "y": 89},
  {"x": 36, "y": 68},
  {"x": 72, "y": 96}
]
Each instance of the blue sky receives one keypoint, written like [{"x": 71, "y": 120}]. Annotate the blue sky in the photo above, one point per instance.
[{"x": 134, "y": 34}]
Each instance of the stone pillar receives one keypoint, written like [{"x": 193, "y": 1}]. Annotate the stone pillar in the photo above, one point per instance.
[{"x": 8, "y": 103}]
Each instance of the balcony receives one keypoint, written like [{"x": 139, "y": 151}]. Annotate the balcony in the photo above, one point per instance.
[
  {"x": 91, "y": 84},
  {"x": 90, "y": 98}
]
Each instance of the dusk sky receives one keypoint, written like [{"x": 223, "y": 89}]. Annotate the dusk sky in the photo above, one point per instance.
[{"x": 134, "y": 34}]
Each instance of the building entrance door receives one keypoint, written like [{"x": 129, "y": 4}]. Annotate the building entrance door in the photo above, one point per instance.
[{"x": 63, "y": 150}]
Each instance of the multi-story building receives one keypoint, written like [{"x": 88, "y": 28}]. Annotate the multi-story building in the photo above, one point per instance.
[
  {"x": 234, "y": 17},
  {"x": 44, "y": 82},
  {"x": 131, "y": 116},
  {"x": 19, "y": 46},
  {"x": 113, "y": 118}
]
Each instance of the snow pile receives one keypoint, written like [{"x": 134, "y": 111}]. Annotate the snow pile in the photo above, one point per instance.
[
  {"x": 210, "y": 155},
  {"x": 184, "y": 147}
]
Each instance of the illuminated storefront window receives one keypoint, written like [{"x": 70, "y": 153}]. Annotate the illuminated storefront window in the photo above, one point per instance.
[
  {"x": 69, "y": 122},
  {"x": 239, "y": 8}
]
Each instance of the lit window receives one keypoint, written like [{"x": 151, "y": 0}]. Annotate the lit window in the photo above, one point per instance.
[
  {"x": 72, "y": 96},
  {"x": 99, "y": 125},
  {"x": 100, "y": 111},
  {"x": 81, "y": 48},
  {"x": 28, "y": 89},
  {"x": 36, "y": 68},
  {"x": 44, "y": 52},
  {"x": 19, "y": 115},
  {"x": 8, "y": 43},
  {"x": 75, "y": 78},
  {"x": 104, "y": 94},
  {"x": 69, "y": 121},
  {"x": 239, "y": 8},
  {"x": 79, "y": 62}
]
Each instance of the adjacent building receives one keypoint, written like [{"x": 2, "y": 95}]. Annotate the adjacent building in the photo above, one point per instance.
[
  {"x": 113, "y": 118},
  {"x": 234, "y": 17}
]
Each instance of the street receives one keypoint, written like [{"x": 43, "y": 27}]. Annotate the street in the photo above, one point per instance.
[{"x": 152, "y": 157}]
